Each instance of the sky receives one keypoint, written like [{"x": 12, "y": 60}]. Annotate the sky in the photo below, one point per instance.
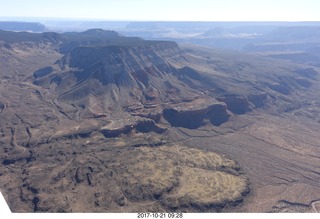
[{"x": 165, "y": 10}]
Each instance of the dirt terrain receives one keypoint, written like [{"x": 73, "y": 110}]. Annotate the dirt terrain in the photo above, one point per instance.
[{"x": 98, "y": 122}]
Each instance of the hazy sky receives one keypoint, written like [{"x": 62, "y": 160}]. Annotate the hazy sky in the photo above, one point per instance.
[{"x": 189, "y": 10}]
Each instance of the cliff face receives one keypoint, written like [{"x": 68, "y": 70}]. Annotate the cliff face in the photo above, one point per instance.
[
  {"x": 104, "y": 79},
  {"x": 129, "y": 76},
  {"x": 124, "y": 66},
  {"x": 195, "y": 116},
  {"x": 150, "y": 80}
]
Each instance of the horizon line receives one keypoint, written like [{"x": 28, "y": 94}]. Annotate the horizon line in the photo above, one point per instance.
[{"x": 6, "y": 18}]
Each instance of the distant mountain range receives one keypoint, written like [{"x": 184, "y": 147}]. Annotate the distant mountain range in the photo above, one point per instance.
[
  {"x": 296, "y": 41},
  {"x": 22, "y": 26}
]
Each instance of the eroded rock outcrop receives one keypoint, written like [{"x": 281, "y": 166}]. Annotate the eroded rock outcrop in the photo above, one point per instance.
[
  {"x": 236, "y": 104},
  {"x": 258, "y": 100},
  {"x": 124, "y": 126},
  {"x": 141, "y": 73},
  {"x": 279, "y": 88},
  {"x": 193, "y": 115}
]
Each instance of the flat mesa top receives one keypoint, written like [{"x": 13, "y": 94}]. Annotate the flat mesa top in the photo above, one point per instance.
[{"x": 4, "y": 208}]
